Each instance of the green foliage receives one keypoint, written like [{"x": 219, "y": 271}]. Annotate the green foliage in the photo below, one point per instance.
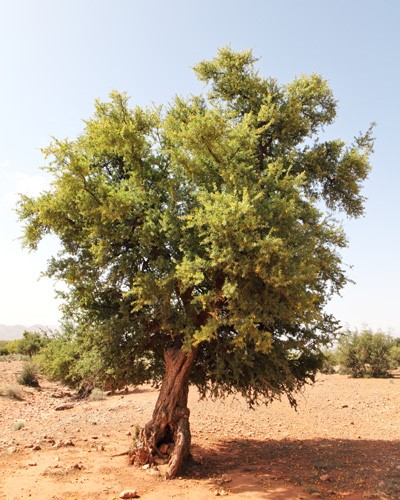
[
  {"x": 4, "y": 348},
  {"x": 29, "y": 344},
  {"x": 329, "y": 362},
  {"x": 81, "y": 355},
  {"x": 366, "y": 354},
  {"x": 200, "y": 226},
  {"x": 395, "y": 354},
  {"x": 28, "y": 375}
]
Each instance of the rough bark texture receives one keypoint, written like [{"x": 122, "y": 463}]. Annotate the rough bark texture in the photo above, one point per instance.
[{"x": 167, "y": 435}]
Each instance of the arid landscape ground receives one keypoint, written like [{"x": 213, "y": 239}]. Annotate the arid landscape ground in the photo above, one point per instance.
[{"x": 343, "y": 442}]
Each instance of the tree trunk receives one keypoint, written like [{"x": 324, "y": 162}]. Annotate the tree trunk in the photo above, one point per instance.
[{"x": 167, "y": 435}]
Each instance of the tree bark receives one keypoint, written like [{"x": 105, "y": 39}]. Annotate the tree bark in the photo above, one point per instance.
[{"x": 167, "y": 435}]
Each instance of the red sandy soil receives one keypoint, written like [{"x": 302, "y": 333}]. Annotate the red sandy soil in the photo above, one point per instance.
[{"x": 343, "y": 442}]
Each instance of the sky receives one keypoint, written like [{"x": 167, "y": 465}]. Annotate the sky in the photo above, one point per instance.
[{"x": 57, "y": 57}]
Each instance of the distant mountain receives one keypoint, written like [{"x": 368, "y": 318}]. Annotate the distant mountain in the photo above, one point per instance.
[{"x": 13, "y": 332}]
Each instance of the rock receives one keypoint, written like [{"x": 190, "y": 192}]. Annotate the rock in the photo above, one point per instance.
[
  {"x": 145, "y": 466},
  {"x": 37, "y": 447},
  {"x": 32, "y": 464},
  {"x": 77, "y": 466},
  {"x": 324, "y": 478},
  {"x": 11, "y": 449},
  {"x": 128, "y": 433},
  {"x": 128, "y": 494},
  {"x": 65, "y": 406},
  {"x": 153, "y": 472}
]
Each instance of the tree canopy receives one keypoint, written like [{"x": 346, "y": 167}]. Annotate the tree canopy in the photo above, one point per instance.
[{"x": 206, "y": 226}]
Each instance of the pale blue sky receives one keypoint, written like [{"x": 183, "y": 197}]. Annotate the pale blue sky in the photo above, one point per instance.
[{"x": 57, "y": 56}]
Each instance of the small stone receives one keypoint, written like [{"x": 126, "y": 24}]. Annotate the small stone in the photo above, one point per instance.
[
  {"x": 65, "y": 406},
  {"x": 324, "y": 478},
  {"x": 128, "y": 494},
  {"x": 32, "y": 464},
  {"x": 145, "y": 466},
  {"x": 128, "y": 433},
  {"x": 153, "y": 472},
  {"x": 220, "y": 493},
  {"x": 11, "y": 449},
  {"x": 100, "y": 448},
  {"x": 37, "y": 447}
]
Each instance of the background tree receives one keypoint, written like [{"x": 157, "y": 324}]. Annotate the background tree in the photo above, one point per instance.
[
  {"x": 29, "y": 344},
  {"x": 367, "y": 353},
  {"x": 193, "y": 240}
]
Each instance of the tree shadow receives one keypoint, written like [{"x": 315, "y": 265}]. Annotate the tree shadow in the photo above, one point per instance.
[{"x": 320, "y": 467}]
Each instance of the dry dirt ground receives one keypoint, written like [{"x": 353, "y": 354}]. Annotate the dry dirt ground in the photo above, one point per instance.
[{"x": 343, "y": 442}]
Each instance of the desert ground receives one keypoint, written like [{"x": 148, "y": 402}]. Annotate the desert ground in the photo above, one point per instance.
[{"x": 342, "y": 442}]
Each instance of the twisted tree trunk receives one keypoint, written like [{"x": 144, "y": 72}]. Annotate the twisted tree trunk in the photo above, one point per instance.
[{"x": 167, "y": 435}]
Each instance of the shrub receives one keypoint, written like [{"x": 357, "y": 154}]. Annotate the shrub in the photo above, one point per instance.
[
  {"x": 395, "y": 355},
  {"x": 366, "y": 354},
  {"x": 28, "y": 376},
  {"x": 12, "y": 393},
  {"x": 4, "y": 351},
  {"x": 329, "y": 363},
  {"x": 96, "y": 394},
  {"x": 19, "y": 424},
  {"x": 80, "y": 358}
]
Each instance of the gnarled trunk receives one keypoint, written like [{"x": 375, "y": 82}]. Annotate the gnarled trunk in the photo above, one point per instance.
[{"x": 167, "y": 435}]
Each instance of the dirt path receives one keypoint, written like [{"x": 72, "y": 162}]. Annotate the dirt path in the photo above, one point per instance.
[{"x": 343, "y": 442}]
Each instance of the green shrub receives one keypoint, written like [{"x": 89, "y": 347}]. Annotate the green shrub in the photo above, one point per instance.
[
  {"x": 329, "y": 363},
  {"x": 4, "y": 350},
  {"x": 395, "y": 355},
  {"x": 28, "y": 376},
  {"x": 79, "y": 357},
  {"x": 366, "y": 354}
]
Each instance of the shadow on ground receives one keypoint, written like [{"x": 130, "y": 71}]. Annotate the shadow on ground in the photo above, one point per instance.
[{"x": 321, "y": 468}]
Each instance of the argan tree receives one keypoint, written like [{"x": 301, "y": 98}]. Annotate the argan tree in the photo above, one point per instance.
[{"x": 198, "y": 242}]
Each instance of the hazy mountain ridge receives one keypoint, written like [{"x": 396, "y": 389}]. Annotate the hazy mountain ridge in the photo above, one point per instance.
[{"x": 12, "y": 332}]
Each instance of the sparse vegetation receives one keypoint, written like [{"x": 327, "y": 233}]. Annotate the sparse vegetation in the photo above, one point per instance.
[
  {"x": 96, "y": 394},
  {"x": 19, "y": 424},
  {"x": 12, "y": 392},
  {"x": 28, "y": 375}
]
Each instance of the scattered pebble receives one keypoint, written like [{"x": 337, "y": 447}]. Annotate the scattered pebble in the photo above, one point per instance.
[{"x": 128, "y": 494}]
